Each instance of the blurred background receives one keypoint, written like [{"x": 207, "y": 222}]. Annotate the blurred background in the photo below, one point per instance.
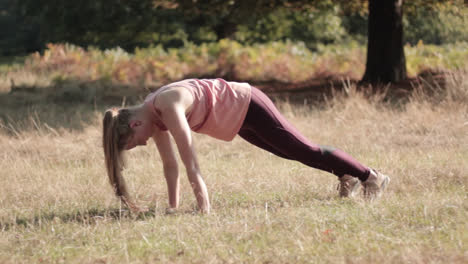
[
  {"x": 95, "y": 49},
  {"x": 28, "y": 25}
]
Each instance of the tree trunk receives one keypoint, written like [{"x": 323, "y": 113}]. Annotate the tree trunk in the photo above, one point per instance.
[{"x": 385, "y": 55}]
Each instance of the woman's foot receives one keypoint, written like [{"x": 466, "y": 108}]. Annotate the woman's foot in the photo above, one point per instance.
[
  {"x": 348, "y": 186},
  {"x": 375, "y": 184}
]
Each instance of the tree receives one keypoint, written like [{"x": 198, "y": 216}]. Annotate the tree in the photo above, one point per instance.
[
  {"x": 228, "y": 14},
  {"x": 102, "y": 23},
  {"x": 16, "y": 36},
  {"x": 385, "y": 46},
  {"x": 108, "y": 23},
  {"x": 385, "y": 54}
]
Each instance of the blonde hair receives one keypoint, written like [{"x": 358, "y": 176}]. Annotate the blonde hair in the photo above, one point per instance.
[{"x": 116, "y": 132}]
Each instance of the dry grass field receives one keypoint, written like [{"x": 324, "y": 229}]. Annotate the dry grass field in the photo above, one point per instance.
[{"x": 56, "y": 205}]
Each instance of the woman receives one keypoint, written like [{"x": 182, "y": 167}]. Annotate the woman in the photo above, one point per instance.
[{"x": 222, "y": 110}]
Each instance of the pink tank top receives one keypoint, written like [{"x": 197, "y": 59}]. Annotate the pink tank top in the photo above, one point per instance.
[{"x": 219, "y": 107}]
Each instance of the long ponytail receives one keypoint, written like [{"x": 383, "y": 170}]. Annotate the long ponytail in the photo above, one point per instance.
[{"x": 115, "y": 135}]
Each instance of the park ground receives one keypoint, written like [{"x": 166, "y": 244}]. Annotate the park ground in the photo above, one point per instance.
[{"x": 56, "y": 205}]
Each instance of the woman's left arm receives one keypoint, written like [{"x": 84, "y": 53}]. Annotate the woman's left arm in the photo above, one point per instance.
[{"x": 170, "y": 167}]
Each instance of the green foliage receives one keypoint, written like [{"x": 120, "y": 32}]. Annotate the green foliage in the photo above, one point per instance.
[
  {"x": 432, "y": 21},
  {"x": 444, "y": 23},
  {"x": 29, "y": 24},
  {"x": 311, "y": 26},
  {"x": 436, "y": 57},
  {"x": 104, "y": 23},
  {"x": 323, "y": 26},
  {"x": 16, "y": 36}
]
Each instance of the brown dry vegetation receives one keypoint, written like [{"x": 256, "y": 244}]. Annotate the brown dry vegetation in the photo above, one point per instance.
[{"x": 57, "y": 206}]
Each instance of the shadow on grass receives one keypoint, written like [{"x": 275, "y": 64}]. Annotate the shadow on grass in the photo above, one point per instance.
[
  {"x": 94, "y": 215},
  {"x": 73, "y": 104},
  {"x": 68, "y": 104},
  {"x": 87, "y": 217}
]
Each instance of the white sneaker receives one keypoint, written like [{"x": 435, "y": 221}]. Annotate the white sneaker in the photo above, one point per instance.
[
  {"x": 375, "y": 184},
  {"x": 348, "y": 186}
]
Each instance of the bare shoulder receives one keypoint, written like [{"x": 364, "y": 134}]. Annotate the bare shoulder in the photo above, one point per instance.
[{"x": 173, "y": 97}]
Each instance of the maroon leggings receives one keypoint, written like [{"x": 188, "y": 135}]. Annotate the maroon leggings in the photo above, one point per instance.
[{"x": 266, "y": 128}]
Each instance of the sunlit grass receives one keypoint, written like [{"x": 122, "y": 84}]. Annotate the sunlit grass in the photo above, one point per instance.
[{"x": 56, "y": 204}]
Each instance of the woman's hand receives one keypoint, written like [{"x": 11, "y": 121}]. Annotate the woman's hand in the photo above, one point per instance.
[{"x": 171, "y": 211}]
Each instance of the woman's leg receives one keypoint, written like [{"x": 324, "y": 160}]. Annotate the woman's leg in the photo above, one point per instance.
[
  {"x": 254, "y": 139},
  {"x": 266, "y": 128}
]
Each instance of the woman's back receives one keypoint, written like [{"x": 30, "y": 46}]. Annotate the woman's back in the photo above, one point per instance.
[{"x": 219, "y": 107}]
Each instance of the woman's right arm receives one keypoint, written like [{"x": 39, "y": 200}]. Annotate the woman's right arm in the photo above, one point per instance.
[
  {"x": 172, "y": 107},
  {"x": 170, "y": 166}
]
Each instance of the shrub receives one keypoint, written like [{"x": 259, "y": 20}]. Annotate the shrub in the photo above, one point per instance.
[
  {"x": 273, "y": 61},
  {"x": 446, "y": 23},
  {"x": 436, "y": 57},
  {"x": 311, "y": 26}
]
